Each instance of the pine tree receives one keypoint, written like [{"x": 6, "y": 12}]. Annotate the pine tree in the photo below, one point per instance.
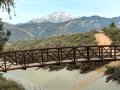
[{"x": 112, "y": 25}]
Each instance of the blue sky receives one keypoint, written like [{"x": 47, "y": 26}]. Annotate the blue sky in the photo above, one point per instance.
[{"x": 30, "y": 9}]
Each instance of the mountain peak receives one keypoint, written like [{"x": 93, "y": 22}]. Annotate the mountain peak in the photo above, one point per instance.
[
  {"x": 59, "y": 13},
  {"x": 55, "y": 17}
]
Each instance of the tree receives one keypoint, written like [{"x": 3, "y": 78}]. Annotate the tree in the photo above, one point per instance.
[
  {"x": 112, "y": 25},
  {"x": 4, "y": 36},
  {"x": 6, "y": 5}
]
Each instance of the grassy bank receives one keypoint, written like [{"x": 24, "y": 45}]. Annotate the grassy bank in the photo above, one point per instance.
[{"x": 9, "y": 84}]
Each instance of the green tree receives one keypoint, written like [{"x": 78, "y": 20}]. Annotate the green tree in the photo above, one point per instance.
[
  {"x": 6, "y": 5},
  {"x": 4, "y": 36},
  {"x": 112, "y": 25}
]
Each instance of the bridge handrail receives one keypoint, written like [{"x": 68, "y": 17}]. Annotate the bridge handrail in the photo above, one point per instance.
[{"x": 60, "y": 48}]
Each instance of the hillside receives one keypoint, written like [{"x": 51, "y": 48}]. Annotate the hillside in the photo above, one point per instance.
[
  {"x": 18, "y": 34},
  {"x": 77, "y": 39}
]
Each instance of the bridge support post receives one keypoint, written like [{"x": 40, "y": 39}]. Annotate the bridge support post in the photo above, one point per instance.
[
  {"x": 59, "y": 50},
  {"x": 47, "y": 55},
  {"x": 111, "y": 52},
  {"x": 115, "y": 52},
  {"x": 88, "y": 56},
  {"x": 24, "y": 60},
  {"x": 5, "y": 69},
  {"x": 74, "y": 54},
  {"x": 32, "y": 56},
  {"x": 102, "y": 53},
  {"x": 16, "y": 59},
  {"x": 61, "y": 57},
  {"x": 99, "y": 52},
  {"x": 42, "y": 57}
]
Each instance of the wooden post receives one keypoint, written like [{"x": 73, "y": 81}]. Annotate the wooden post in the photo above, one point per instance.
[
  {"x": 111, "y": 52},
  {"x": 32, "y": 55},
  {"x": 115, "y": 52},
  {"x": 16, "y": 59},
  {"x": 24, "y": 60},
  {"x": 47, "y": 55},
  {"x": 59, "y": 56},
  {"x": 42, "y": 57},
  {"x": 5, "y": 69},
  {"x": 74, "y": 54},
  {"x": 102, "y": 55},
  {"x": 88, "y": 57},
  {"x": 99, "y": 52}
]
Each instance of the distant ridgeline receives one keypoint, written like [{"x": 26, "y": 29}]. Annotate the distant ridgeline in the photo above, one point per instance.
[{"x": 29, "y": 31}]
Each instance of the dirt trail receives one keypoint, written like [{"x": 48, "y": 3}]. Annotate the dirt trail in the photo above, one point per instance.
[{"x": 102, "y": 39}]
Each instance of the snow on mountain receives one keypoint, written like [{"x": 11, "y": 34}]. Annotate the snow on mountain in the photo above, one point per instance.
[{"x": 53, "y": 18}]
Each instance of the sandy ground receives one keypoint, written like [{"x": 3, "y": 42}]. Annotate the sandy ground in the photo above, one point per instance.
[
  {"x": 64, "y": 79},
  {"x": 68, "y": 80},
  {"x": 55, "y": 80}
]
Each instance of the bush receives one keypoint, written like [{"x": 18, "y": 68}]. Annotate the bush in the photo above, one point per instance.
[
  {"x": 72, "y": 67},
  {"x": 110, "y": 70},
  {"x": 53, "y": 67},
  {"x": 114, "y": 73},
  {"x": 68, "y": 67},
  {"x": 87, "y": 67}
]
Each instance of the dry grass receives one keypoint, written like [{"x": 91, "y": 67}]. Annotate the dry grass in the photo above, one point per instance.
[{"x": 9, "y": 84}]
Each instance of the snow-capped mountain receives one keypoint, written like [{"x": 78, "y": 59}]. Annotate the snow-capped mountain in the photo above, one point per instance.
[{"x": 53, "y": 18}]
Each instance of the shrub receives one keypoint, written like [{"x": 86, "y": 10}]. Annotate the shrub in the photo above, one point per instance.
[
  {"x": 53, "y": 67},
  {"x": 110, "y": 70},
  {"x": 68, "y": 67},
  {"x": 87, "y": 67},
  {"x": 72, "y": 67},
  {"x": 114, "y": 73}
]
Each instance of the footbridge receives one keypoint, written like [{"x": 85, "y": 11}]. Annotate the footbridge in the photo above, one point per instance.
[{"x": 24, "y": 59}]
